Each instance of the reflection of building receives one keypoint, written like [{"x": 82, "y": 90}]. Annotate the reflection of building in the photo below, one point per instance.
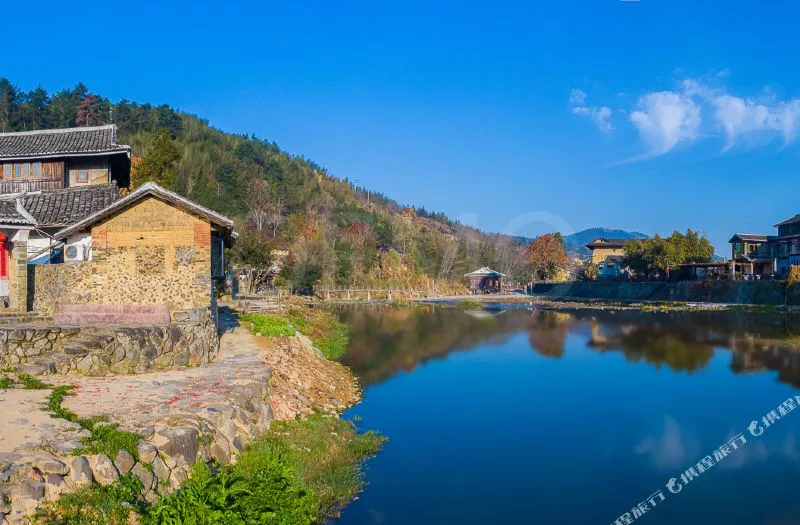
[
  {"x": 484, "y": 280},
  {"x": 607, "y": 254}
]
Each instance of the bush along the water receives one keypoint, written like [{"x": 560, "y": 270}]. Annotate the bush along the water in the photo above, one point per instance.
[{"x": 299, "y": 473}]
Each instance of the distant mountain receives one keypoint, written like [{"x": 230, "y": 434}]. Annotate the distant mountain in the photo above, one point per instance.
[{"x": 575, "y": 244}]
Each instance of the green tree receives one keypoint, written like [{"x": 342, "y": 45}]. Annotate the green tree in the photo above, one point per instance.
[
  {"x": 160, "y": 163},
  {"x": 657, "y": 254},
  {"x": 251, "y": 256}
]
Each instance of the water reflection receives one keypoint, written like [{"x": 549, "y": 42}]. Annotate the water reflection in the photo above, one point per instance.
[{"x": 388, "y": 340}]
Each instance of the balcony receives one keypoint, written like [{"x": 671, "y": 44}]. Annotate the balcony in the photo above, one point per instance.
[{"x": 18, "y": 186}]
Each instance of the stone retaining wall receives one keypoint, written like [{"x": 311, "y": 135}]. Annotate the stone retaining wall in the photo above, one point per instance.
[
  {"x": 733, "y": 292},
  {"x": 97, "y": 351}
]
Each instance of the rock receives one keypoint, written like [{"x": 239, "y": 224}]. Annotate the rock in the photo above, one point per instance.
[
  {"x": 104, "y": 471},
  {"x": 48, "y": 364},
  {"x": 151, "y": 497},
  {"x": 220, "y": 450},
  {"x": 33, "y": 370},
  {"x": 85, "y": 364},
  {"x": 66, "y": 447},
  {"x": 80, "y": 471},
  {"x": 181, "y": 443},
  {"x": 27, "y": 490},
  {"x": 76, "y": 351},
  {"x": 50, "y": 465},
  {"x": 161, "y": 470},
  {"x": 144, "y": 475},
  {"x": 124, "y": 461},
  {"x": 53, "y": 486},
  {"x": 147, "y": 452},
  {"x": 178, "y": 477}
]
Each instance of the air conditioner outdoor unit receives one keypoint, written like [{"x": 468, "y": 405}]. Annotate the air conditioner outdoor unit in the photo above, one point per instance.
[{"x": 74, "y": 253}]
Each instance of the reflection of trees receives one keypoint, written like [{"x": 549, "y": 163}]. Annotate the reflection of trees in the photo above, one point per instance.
[
  {"x": 384, "y": 341},
  {"x": 681, "y": 349},
  {"x": 547, "y": 332},
  {"x": 387, "y": 340}
]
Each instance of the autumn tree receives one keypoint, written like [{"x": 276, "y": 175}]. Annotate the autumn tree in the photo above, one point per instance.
[
  {"x": 546, "y": 255},
  {"x": 89, "y": 112},
  {"x": 159, "y": 163}
]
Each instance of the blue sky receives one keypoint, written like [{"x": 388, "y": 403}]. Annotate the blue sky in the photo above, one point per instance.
[{"x": 525, "y": 116}]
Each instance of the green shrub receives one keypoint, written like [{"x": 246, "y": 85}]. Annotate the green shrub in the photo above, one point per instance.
[
  {"x": 6, "y": 382},
  {"x": 324, "y": 330},
  {"x": 268, "y": 325},
  {"x": 206, "y": 498},
  {"x": 94, "y": 505}
]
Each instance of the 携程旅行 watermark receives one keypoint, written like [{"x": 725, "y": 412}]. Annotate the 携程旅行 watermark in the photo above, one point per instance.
[{"x": 675, "y": 485}]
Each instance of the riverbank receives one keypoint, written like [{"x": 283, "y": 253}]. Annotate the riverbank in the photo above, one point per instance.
[{"x": 159, "y": 430}]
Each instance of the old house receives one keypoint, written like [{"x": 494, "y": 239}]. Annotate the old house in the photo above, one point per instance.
[
  {"x": 151, "y": 248},
  {"x": 607, "y": 255},
  {"x": 62, "y": 158},
  {"x": 485, "y": 280},
  {"x": 765, "y": 256}
]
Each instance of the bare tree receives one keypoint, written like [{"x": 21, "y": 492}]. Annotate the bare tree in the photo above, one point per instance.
[
  {"x": 448, "y": 257},
  {"x": 258, "y": 204},
  {"x": 276, "y": 218}
]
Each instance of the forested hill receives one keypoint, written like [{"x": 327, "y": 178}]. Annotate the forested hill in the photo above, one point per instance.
[{"x": 334, "y": 232}]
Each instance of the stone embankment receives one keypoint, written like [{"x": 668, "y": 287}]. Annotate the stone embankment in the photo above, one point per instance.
[
  {"x": 727, "y": 292},
  {"x": 182, "y": 416},
  {"x": 97, "y": 351}
]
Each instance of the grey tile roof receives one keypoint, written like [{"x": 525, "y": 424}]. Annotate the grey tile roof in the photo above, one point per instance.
[
  {"x": 224, "y": 224},
  {"x": 602, "y": 242},
  {"x": 60, "y": 142},
  {"x": 10, "y": 214},
  {"x": 790, "y": 220},
  {"x": 751, "y": 237},
  {"x": 60, "y": 208}
]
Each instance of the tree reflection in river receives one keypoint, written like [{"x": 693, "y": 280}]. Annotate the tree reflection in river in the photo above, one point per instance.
[{"x": 387, "y": 340}]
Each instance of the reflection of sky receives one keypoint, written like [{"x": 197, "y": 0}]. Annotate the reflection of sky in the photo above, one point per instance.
[{"x": 500, "y": 434}]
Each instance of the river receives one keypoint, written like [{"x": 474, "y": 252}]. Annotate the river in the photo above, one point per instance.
[{"x": 514, "y": 415}]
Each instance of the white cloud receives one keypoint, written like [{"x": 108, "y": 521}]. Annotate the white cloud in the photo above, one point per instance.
[
  {"x": 577, "y": 97},
  {"x": 748, "y": 118},
  {"x": 664, "y": 120},
  {"x": 600, "y": 115}
]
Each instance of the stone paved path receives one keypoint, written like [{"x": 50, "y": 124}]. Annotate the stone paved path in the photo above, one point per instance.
[{"x": 237, "y": 375}]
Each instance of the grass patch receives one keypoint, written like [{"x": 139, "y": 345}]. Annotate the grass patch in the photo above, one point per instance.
[
  {"x": 108, "y": 440},
  {"x": 31, "y": 383},
  {"x": 470, "y": 304},
  {"x": 95, "y": 505},
  {"x": 324, "y": 330},
  {"x": 23, "y": 381},
  {"x": 268, "y": 325},
  {"x": 300, "y": 473},
  {"x": 326, "y": 454},
  {"x": 104, "y": 439}
]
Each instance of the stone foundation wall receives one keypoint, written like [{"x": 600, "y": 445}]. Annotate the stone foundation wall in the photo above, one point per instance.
[{"x": 97, "y": 351}]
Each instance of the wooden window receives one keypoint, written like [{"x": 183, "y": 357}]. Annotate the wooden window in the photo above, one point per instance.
[
  {"x": 7, "y": 171},
  {"x": 17, "y": 171},
  {"x": 36, "y": 169},
  {"x": 83, "y": 177},
  {"x": 26, "y": 171}
]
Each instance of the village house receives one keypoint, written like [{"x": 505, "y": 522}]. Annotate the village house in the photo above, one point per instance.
[
  {"x": 72, "y": 246},
  {"x": 484, "y": 280},
  {"x": 765, "y": 256},
  {"x": 607, "y": 255}
]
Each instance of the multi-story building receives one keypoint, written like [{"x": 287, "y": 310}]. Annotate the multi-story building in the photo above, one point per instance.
[{"x": 768, "y": 255}]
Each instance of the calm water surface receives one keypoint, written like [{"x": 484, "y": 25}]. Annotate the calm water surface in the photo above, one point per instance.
[{"x": 520, "y": 416}]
